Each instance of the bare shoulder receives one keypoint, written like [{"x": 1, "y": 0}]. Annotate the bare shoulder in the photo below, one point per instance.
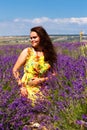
[
  {"x": 23, "y": 55},
  {"x": 26, "y": 51}
]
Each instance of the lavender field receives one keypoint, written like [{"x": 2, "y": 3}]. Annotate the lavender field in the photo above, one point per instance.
[{"x": 66, "y": 105}]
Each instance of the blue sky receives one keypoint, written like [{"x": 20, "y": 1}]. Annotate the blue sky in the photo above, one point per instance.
[{"x": 56, "y": 16}]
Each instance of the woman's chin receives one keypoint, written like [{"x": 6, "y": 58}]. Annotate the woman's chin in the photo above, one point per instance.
[{"x": 34, "y": 46}]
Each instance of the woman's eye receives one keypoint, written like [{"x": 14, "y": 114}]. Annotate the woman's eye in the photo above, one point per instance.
[{"x": 33, "y": 37}]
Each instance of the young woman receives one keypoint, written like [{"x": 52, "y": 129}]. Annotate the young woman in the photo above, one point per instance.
[{"x": 37, "y": 61}]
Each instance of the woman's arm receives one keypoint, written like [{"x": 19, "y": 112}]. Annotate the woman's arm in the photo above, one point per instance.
[
  {"x": 36, "y": 80},
  {"x": 20, "y": 61}
]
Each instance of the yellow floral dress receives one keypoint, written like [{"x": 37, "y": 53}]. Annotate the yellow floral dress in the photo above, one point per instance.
[{"x": 35, "y": 67}]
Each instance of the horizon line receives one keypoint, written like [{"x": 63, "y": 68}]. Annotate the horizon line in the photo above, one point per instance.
[{"x": 48, "y": 34}]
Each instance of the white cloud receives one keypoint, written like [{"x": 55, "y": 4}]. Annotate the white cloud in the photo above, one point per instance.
[
  {"x": 41, "y": 20},
  {"x": 82, "y": 20},
  {"x": 79, "y": 20},
  {"x": 20, "y": 26}
]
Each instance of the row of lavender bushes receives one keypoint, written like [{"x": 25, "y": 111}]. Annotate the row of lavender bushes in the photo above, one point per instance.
[{"x": 65, "y": 108}]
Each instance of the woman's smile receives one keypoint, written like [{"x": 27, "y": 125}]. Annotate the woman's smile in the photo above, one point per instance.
[{"x": 34, "y": 38}]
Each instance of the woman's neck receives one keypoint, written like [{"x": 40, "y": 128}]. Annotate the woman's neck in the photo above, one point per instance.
[{"x": 38, "y": 51}]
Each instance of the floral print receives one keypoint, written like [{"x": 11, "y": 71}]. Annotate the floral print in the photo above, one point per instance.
[{"x": 35, "y": 67}]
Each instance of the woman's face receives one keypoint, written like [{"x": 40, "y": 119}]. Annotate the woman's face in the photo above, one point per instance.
[{"x": 35, "y": 39}]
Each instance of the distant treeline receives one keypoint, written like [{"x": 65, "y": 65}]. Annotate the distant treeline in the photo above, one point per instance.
[{"x": 54, "y": 37}]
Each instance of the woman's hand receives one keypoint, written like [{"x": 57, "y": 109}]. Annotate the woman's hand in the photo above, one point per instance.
[
  {"x": 19, "y": 82},
  {"x": 23, "y": 91}
]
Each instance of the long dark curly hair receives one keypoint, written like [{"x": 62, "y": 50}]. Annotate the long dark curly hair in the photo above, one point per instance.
[{"x": 46, "y": 44}]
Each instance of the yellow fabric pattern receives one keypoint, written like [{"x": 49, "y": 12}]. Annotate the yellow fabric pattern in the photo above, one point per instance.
[{"x": 35, "y": 67}]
